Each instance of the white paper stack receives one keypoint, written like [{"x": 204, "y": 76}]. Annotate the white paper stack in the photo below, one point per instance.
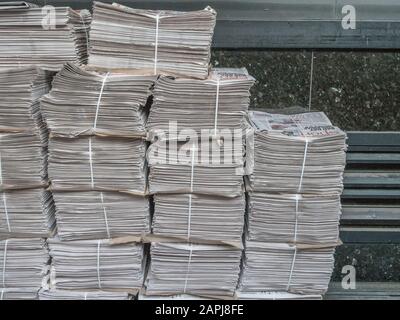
[
  {"x": 97, "y": 163},
  {"x": 18, "y": 293},
  {"x": 282, "y": 267},
  {"x": 165, "y": 42},
  {"x": 55, "y": 294},
  {"x": 27, "y": 213},
  {"x": 190, "y": 168},
  {"x": 24, "y": 261},
  {"x": 307, "y": 219},
  {"x": 85, "y": 102},
  {"x": 20, "y": 90},
  {"x": 195, "y": 217},
  {"x": 204, "y": 270},
  {"x": 96, "y": 264},
  {"x": 276, "y": 296},
  {"x": 47, "y": 37},
  {"x": 218, "y": 103},
  {"x": 302, "y": 153},
  {"x": 100, "y": 215},
  {"x": 22, "y": 162}
]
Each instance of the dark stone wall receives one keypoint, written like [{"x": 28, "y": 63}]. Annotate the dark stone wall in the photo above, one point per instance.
[
  {"x": 358, "y": 90},
  {"x": 373, "y": 262}
]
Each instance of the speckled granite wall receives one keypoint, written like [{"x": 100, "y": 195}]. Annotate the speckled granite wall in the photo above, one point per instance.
[
  {"x": 358, "y": 90},
  {"x": 373, "y": 262}
]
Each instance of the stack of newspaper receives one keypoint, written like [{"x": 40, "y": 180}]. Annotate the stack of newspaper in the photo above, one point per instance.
[
  {"x": 302, "y": 153},
  {"x": 204, "y": 270},
  {"x": 196, "y": 166},
  {"x": 21, "y": 88},
  {"x": 96, "y": 264},
  {"x": 46, "y": 37},
  {"x": 84, "y": 102},
  {"x": 165, "y": 42},
  {"x": 195, "y": 217},
  {"x": 55, "y": 294},
  {"x": 27, "y": 213},
  {"x": 309, "y": 219},
  {"x": 18, "y": 293},
  {"x": 218, "y": 103},
  {"x": 24, "y": 263},
  {"x": 293, "y": 204},
  {"x": 97, "y": 163},
  {"x": 283, "y": 267},
  {"x": 100, "y": 215},
  {"x": 22, "y": 161}
]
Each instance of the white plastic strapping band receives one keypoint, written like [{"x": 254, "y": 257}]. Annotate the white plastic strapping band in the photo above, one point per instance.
[
  {"x": 91, "y": 162},
  {"x": 189, "y": 216},
  {"x": 2, "y": 294},
  {"x": 157, "y": 17},
  {"x": 4, "y": 263},
  {"x": 291, "y": 269},
  {"x": 99, "y": 100},
  {"x": 303, "y": 166},
  {"x": 297, "y": 218},
  {"x": 105, "y": 214},
  {"x": 85, "y": 297},
  {"x": 6, "y": 211},
  {"x": 98, "y": 264},
  {"x": 188, "y": 268},
  {"x": 1, "y": 172}
]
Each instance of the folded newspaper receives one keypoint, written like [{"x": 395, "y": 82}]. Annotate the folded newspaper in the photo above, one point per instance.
[
  {"x": 204, "y": 270},
  {"x": 96, "y": 264},
  {"x": 284, "y": 267},
  {"x": 97, "y": 163},
  {"x": 24, "y": 263},
  {"x": 153, "y": 42},
  {"x": 203, "y": 106},
  {"x": 19, "y": 293},
  {"x": 84, "y": 102},
  {"x": 306, "y": 219},
  {"x": 301, "y": 153},
  {"x": 27, "y": 213},
  {"x": 55, "y": 294},
  {"x": 47, "y": 37},
  {"x": 22, "y": 161},
  {"x": 100, "y": 215},
  {"x": 20, "y": 90},
  {"x": 199, "y": 218},
  {"x": 191, "y": 167}
]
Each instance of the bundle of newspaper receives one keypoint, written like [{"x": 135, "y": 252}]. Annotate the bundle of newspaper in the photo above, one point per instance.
[
  {"x": 307, "y": 219},
  {"x": 276, "y": 296},
  {"x": 24, "y": 261},
  {"x": 165, "y": 42},
  {"x": 84, "y": 102},
  {"x": 199, "y": 218},
  {"x": 85, "y": 215},
  {"x": 301, "y": 153},
  {"x": 55, "y": 294},
  {"x": 97, "y": 163},
  {"x": 22, "y": 161},
  {"x": 204, "y": 270},
  {"x": 18, "y": 293},
  {"x": 284, "y": 267},
  {"x": 20, "y": 90},
  {"x": 190, "y": 167},
  {"x": 203, "y": 106},
  {"x": 47, "y": 37},
  {"x": 96, "y": 264},
  {"x": 27, "y": 213}
]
